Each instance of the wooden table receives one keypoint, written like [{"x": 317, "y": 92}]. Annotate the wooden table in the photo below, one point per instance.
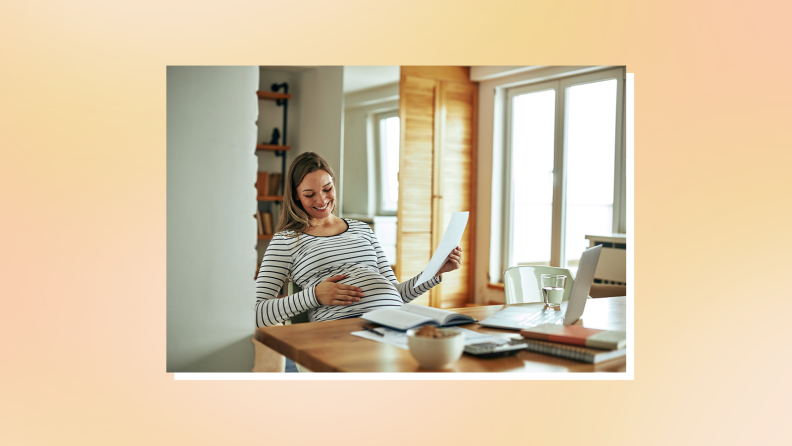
[{"x": 329, "y": 346}]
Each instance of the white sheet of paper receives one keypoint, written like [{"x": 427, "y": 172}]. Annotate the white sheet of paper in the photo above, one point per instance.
[
  {"x": 451, "y": 239},
  {"x": 392, "y": 337}
]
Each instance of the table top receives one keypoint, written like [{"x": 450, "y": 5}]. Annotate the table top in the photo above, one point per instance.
[{"x": 330, "y": 346}]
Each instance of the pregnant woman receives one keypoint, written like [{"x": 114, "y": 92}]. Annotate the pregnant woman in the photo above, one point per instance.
[{"x": 336, "y": 261}]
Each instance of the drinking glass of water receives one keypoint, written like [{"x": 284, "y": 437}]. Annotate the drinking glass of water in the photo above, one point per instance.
[{"x": 553, "y": 291}]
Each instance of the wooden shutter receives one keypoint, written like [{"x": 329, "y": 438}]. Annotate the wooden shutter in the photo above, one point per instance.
[
  {"x": 437, "y": 111},
  {"x": 457, "y": 180},
  {"x": 416, "y": 115}
]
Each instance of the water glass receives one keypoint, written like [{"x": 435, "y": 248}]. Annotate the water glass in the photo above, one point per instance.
[{"x": 553, "y": 291}]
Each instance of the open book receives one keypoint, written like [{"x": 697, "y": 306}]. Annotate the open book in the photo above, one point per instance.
[{"x": 410, "y": 316}]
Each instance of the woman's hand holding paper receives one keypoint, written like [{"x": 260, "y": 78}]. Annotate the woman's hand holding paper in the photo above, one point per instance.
[{"x": 453, "y": 261}]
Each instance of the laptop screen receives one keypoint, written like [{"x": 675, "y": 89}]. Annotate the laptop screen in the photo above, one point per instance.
[{"x": 582, "y": 286}]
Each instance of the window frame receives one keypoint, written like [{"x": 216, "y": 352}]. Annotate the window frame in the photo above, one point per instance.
[
  {"x": 379, "y": 159},
  {"x": 561, "y": 86}
]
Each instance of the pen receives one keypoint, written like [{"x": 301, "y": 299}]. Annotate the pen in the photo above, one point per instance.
[{"x": 372, "y": 330}]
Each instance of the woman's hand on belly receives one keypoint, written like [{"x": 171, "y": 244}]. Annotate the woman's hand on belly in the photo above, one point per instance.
[{"x": 331, "y": 293}]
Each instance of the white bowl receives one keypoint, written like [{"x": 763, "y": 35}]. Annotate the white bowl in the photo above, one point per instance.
[{"x": 436, "y": 353}]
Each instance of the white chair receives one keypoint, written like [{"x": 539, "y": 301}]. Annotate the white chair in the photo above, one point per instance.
[
  {"x": 301, "y": 318},
  {"x": 523, "y": 284},
  {"x": 292, "y": 288}
]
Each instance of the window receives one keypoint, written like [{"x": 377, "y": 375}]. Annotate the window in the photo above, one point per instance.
[
  {"x": 387, "y": 157},
  {"x": 565, "y": 175}
]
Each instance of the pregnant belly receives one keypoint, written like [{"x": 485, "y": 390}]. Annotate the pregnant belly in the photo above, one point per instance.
[{"x": 378, "y": 292}]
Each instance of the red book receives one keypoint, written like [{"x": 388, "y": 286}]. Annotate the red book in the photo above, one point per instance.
[{"x": 577, "y": 335}]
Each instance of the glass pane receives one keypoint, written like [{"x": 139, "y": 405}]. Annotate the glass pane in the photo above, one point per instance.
[
  {"x": 591, "y": 153},
  {"x": 532, "y": 177},
  {"x": 389, "y": 131}
]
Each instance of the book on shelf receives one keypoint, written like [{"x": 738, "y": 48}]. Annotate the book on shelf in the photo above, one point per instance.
[
  {"x": 262, "y": 184},
  {"x": 266, "y": 219},
  {"x": 258, "y": 222},
  {"x": 577, "y": 335},
  {"x": 411, "y": 315},
  {"x": 275, "y": 211},
  {"x": 574, "y": 352},
  {"x": 275, "y": 183}
]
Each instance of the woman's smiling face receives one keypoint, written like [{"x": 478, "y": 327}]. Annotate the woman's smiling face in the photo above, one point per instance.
[{"x": 316, "y": 193}]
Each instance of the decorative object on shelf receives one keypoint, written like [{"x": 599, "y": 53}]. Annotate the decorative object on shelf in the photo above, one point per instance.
[
  {"x": 275, "y": 88},
  {"x": 275, "y": 137}
]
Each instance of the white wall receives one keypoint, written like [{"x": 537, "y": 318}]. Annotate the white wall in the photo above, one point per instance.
[
  {"x": 359, "y": 161},
  {"x": 211, "y": 132},
  {"x": 321, "y": 103}
]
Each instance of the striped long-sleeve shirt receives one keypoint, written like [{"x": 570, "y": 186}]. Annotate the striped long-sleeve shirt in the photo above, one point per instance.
[{"x": 310, "y": 260}]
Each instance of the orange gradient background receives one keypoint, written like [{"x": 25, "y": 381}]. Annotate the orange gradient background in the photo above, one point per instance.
[{"x": 82, "y": 133}]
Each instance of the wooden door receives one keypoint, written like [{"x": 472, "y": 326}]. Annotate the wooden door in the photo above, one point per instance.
[{"x": 437, "y": 111}]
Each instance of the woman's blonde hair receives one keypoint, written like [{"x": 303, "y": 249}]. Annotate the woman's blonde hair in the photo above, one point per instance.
[{"x": 293, "y": 217}]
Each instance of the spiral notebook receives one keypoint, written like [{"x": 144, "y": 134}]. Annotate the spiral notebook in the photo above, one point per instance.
[{"x": 577, "y": 353}]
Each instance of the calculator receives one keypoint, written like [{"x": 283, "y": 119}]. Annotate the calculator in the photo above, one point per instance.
[{"x": 493, "y": 349}]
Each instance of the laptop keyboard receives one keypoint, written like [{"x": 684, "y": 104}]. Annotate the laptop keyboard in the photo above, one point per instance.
[
  {"x": 515, "y": 318},
  {"x": 545, "y": 317}
]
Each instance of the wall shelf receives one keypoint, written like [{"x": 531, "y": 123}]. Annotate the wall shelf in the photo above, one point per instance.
[
  {"x": 269, "y": 198},
  {"x": 271, "y": 147},
  {"x": 281, "y": 100},
  {"x": 272, "y": 95}
]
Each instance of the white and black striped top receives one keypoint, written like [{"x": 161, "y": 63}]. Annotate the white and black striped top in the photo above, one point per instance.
[{"x": 309, "y": 260}]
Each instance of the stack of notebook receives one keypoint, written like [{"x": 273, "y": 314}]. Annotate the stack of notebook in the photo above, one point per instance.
[{"x": 575, "y": 342}]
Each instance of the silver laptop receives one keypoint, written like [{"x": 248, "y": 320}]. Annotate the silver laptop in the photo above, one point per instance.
[{"x": 518, "y": 318}]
